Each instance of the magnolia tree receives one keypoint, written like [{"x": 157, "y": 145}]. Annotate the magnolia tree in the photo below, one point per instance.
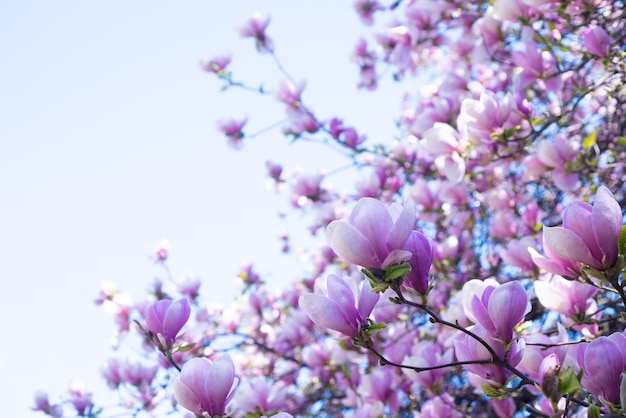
[{"x": 475, "y": 269}]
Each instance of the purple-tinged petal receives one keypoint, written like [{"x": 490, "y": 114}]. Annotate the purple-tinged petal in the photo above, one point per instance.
[
  {"x": 402, "y": 227},
  {"x": 327, "y": 313},
  {"x": 396, "y": 257},
  {"x": 568, "y": 245},
  {"x": 482, "y": 316},
  {"x": 351, "y": 245},
  {"x": 219, "y": 383},
  {"x": 422, "y": 249},
  {"x": 577, "y": 218},
  {"x": 603, "y": 366},
  {"x": 154, "y": 315},
  {"x": 371, "y": 217},
  {"x": 185, "y": 396},
  {"x": 607, "y": 223},
  {"x": 508, "y": 305},
  {"x": 367, "y": 300},
  {"x": 175, "y": 318},
  {"x": 341, "y": 293},
  {"x": 550, "y": 298},
  {"x": 194, "y": 375},
  {"x": 548, "y": 365},
  {"x": 565, "y": 268},
  {"x": 471, "y": 289}
]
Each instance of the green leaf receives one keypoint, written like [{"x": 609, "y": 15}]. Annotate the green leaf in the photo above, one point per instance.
[
  {"x": 396, "y": 272},
  {"x": 373, "y": 327},
  {"x": 621, "y": 243},
  {"x": 590, "y": 141},
  {"x": 372, "y": 277},
  {"x": 593, "y": 412},
  {"x": 493, "y": 392},
  {"x": 185, "y": 347},
  {"x": 569, "y": 381}
]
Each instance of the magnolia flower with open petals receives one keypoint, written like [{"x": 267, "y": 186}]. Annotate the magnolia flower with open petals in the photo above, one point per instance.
[
  {"x": 206, "y": 387},
  {"x": 589, "y": 236},
  {"x": 374, "y": 235},
  {"x": 341, "y": 310}
]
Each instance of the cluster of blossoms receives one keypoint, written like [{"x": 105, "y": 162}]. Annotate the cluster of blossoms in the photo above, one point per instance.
[{"x": 475, "y": 269}]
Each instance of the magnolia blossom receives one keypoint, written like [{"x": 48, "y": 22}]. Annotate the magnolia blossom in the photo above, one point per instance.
[
  {"x": 603, "y": 363},
  {"x": 233, "y": 129},
  {"x": 567, "y": 297},
  {"x": 255, "y": 28},
  {"x": 164, "y": 319},
  {"x": 217, "y": 65},
  {"x": 43, "y": 404},
  {"x": 374, "y": 235},
  {"x": 596, "y": 40},
  {"x": 589, "y": 236},
  {"x": 467, "y": 348},
  {"x": 346, "y": 135},
  {"x": 498, "y": 308},
  {"x": 366, "y": 8},
  {"x": 206, "y": 387},
  {"x": 345, "y": 309}
]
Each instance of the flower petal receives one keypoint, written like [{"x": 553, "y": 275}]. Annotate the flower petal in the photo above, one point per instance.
[
  {"x": 327, "y": 313},
  {"x": 367, "y": 300},
  {"x": 607, "y": 223},
  {"x": 185, "y": 396},
  {"x": 371, "y": 217},
  {"x": 175, "y": 318},
  {"x": 219, "y": 383},
  {"x": 351, "y": 245},
  {"x": 402, "y": 227},
  {"x": 508, "y": 305},
  {"x": 341, "y": 293},
  {"x": 568, "y": 245}
]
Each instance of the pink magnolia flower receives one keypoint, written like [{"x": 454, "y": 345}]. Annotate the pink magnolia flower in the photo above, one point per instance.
[
  {"x": 428, "y": 354},
  {"x": 366, "y": 9},
  {"x": 43, "y": 404},
  {"x": 498, "y": 308},
  {"x": 437, "y": 408},
  {"x": 164, "y": 319},
  {"x": 516, "y": 253},
  {"x": 567, "y": 297},
  {"x": 216, "y": 65},
  {"x": 467, "y": 348},
  {"x": 538, "y": 66},
  {"x": 260, "y": 395},
  {"x": 80, "y": 399},
  {"x": 204, "y": 387},
  {"x": 233, "y": 129},
  {"x": 289, "y": 94},
  {"x": 346, "y": 135},
  {"x": 510, "y": 10},
  {"x": 589, "y": 236},
  {"x": 558, "y": 154},
  {"x": 596, "y": 40},
  {"x": 255, "y": 28},
  {"x": 345, "y": 309},
  {"x": 380, "y": 385},
  {"x": 479, "y": 119},
  {"x": 602, "y": 361},
  {"x": 374, "y": 235}
]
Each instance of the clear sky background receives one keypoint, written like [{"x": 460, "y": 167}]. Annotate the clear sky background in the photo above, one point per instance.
[{"x": 108, "y": 145}]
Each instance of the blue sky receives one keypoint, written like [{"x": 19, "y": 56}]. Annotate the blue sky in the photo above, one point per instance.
[{"x": 108, "y": 145}]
